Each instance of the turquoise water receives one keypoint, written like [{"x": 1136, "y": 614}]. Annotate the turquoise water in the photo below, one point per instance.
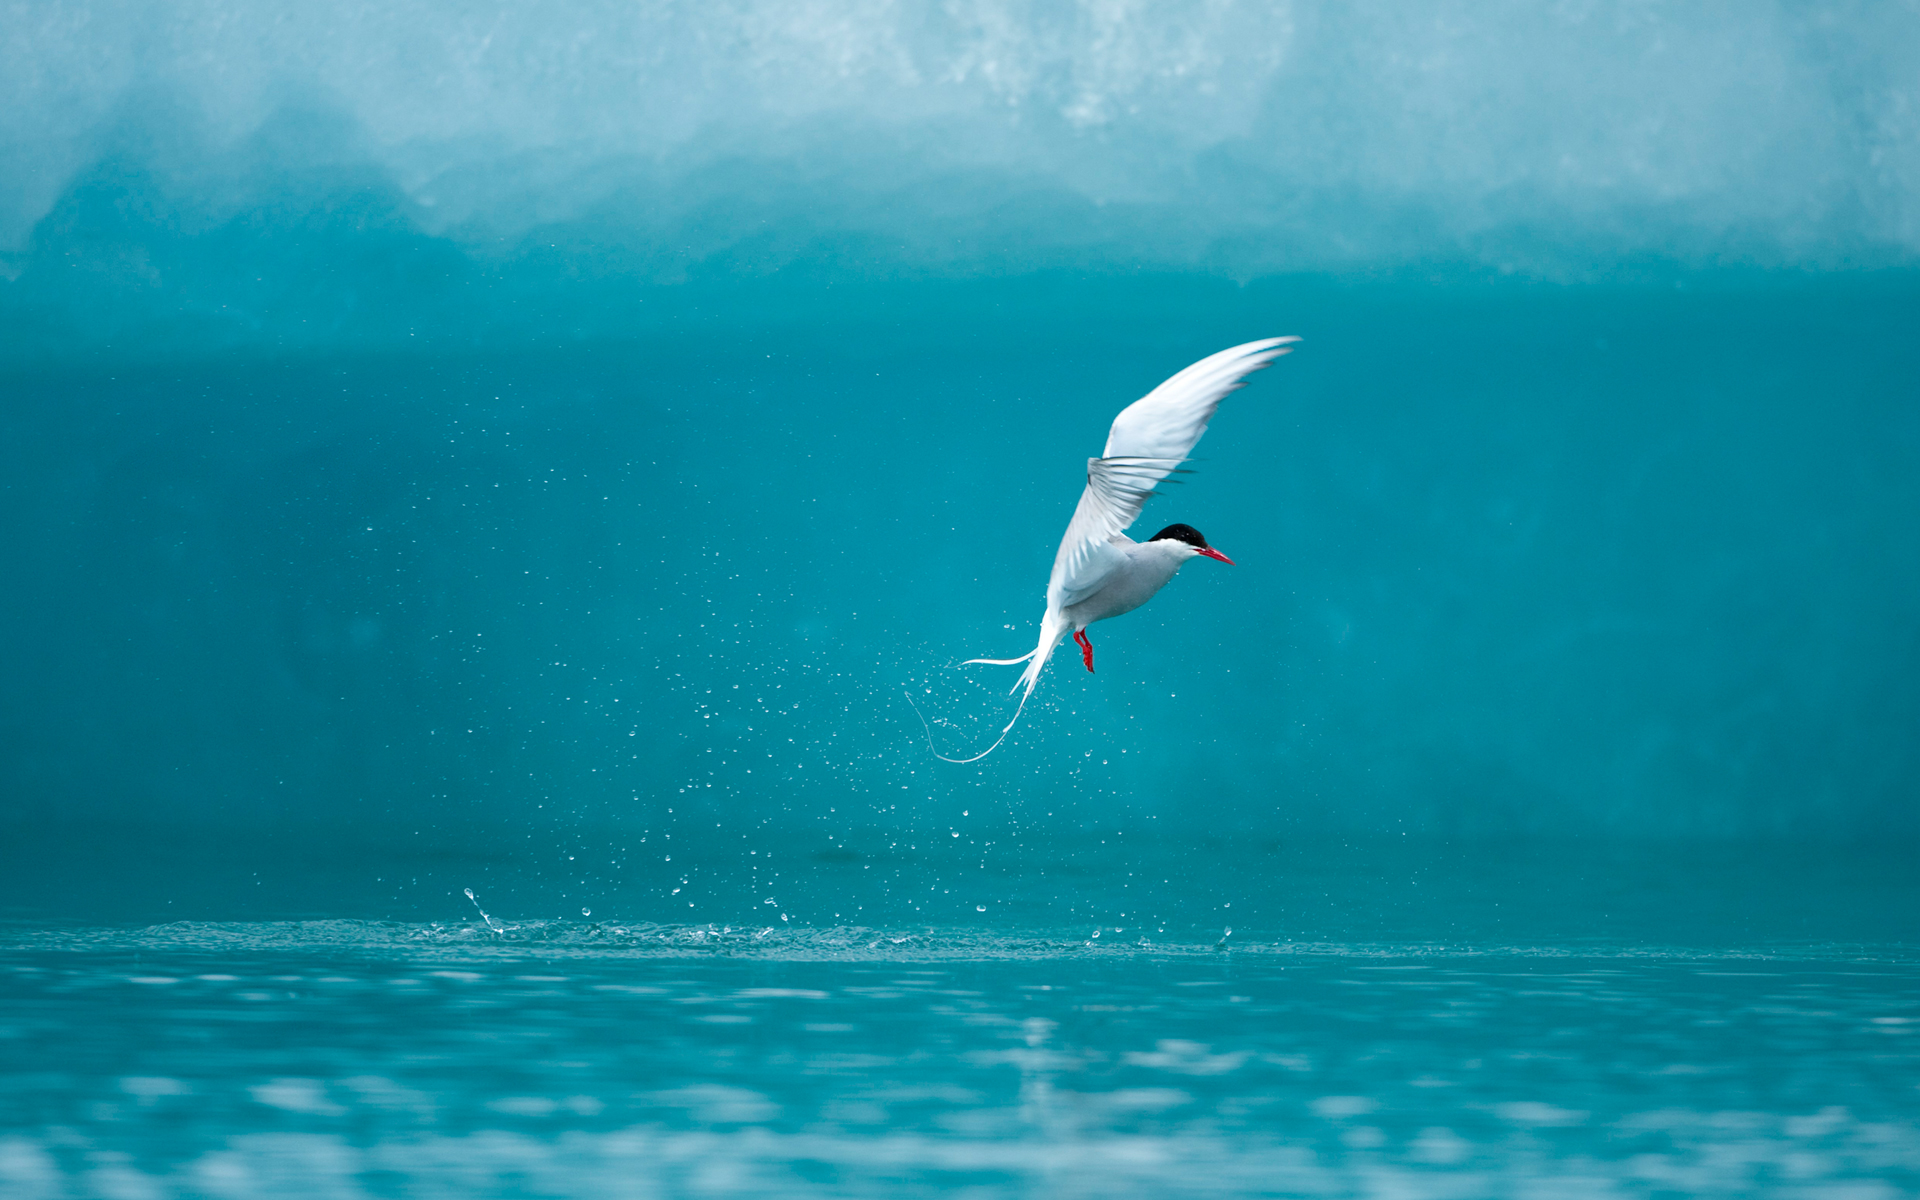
[
  {"x": 1384, "y": 1020},
  {"x": 369, "y": 1059},
  {"x": 484, "y": 490}
]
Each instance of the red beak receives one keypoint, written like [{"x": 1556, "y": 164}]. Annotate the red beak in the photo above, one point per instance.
[{"x": 1210, "y": 552}]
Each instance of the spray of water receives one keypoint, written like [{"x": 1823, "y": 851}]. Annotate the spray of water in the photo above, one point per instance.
[{"x": 492, "y": 924}]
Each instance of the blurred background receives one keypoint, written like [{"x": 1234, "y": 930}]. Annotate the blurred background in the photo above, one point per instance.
[{"x": 465, "y": 444}]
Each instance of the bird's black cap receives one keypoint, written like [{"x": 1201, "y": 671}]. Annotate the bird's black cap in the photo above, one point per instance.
[{"x": 1182, "y": 533}]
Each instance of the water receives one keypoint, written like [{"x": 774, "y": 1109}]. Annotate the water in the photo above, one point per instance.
[
  {"x": 356, "y": 1059},
  {"x": 479, "y": 488},
  {"x": 1381, "y": 1019}
]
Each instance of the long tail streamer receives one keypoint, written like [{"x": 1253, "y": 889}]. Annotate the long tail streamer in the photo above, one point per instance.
[
  {"x": 976, "y": 758},
  {"x": 1036, "y": 660}
]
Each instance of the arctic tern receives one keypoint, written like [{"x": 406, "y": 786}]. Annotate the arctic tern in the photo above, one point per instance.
[{"x": 1099, "y": 571}]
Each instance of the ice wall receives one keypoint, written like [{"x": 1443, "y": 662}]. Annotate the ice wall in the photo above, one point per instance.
[
  {"x": 1245, "y": 138},
  {"x": 1614, "y": 561}
]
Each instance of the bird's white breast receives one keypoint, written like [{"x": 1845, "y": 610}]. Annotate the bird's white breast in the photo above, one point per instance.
[{"x": 1148, "y": 567}]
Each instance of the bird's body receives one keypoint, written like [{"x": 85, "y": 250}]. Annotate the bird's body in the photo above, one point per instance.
[
  {"x": 1150, "y": 566},
  {"x": 1099, "y": 572}
]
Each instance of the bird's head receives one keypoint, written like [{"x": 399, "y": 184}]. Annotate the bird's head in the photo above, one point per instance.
[{"x": 1192, "y": 538}]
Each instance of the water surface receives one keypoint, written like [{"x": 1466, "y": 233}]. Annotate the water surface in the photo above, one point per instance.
[{"x": 604, "y": 1058}]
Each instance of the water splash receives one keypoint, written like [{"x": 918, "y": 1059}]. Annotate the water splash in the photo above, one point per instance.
[{"x": 491, "y": 923}]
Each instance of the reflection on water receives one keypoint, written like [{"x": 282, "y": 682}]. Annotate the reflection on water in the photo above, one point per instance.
[{"x": 358, "y": 1059}]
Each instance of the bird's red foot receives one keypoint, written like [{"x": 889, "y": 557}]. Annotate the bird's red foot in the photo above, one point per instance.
[{"x": 1086, "y": 648}]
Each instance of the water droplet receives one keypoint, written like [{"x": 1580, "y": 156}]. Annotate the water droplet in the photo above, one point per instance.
[
  {"x": 979, "y": 908},
  {"x": 491, "y": 923}
]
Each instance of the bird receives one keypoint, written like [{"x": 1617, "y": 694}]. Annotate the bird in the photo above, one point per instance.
[{"x": 1099, "y": 572}]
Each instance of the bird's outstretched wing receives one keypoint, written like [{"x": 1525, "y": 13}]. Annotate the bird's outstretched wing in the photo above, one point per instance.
[{"x": 1149, "y": 440}]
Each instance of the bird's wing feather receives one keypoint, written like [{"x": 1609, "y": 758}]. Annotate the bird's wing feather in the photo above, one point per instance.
[{"x": 1149, "y": 440}]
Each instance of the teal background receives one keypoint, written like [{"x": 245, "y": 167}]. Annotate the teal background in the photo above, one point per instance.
[{"x": 452, "y": 446}]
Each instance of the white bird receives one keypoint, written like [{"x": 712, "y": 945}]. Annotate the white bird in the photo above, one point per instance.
[{"x": 1099, "y": 571}]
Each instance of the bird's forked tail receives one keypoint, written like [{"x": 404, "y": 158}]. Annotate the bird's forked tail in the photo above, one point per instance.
[{"x": 1052, "y": 630}]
